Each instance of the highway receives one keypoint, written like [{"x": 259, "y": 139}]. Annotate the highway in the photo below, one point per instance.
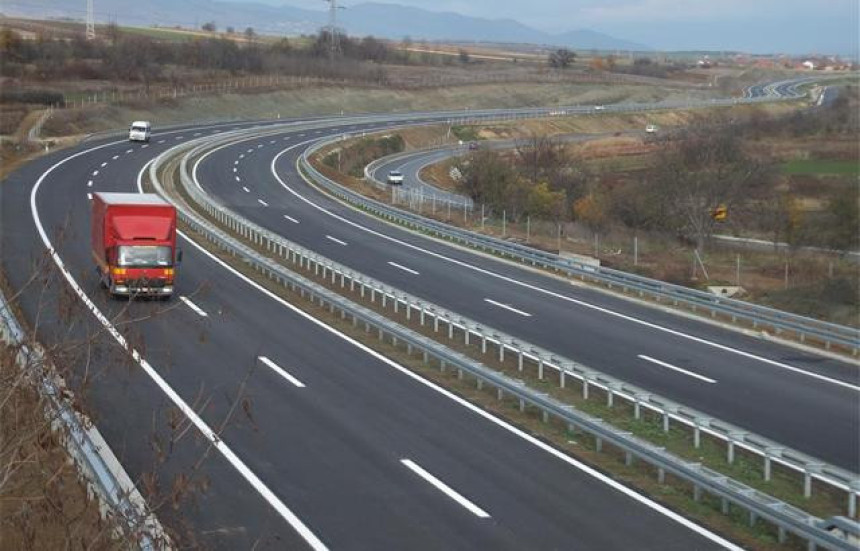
[
  {"x": 338, "y": 447},
  {"x": 737, "y": 378}
]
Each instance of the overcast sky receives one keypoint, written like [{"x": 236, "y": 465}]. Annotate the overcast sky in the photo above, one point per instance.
[{"x": 751, "y": 25}]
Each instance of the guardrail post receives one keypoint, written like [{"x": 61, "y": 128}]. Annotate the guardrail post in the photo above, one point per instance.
[
  {"x": 637, "y": 404},
  {"x": 724, "y": 506},
  {"x": 501, "y": 351},
  {"x": 768, "y": 452},
  {"x": 697, "y": 431},
  {"x": 598, "y": 444},
  {"x": 467, "y": 332},
  {"x": 807, "y": 479},
  {"x": 540, "y": 368},
  {"x": 483, "y": 343},
  {"x": 730, "y": 445},
  {"x": 853, "y": 488}
]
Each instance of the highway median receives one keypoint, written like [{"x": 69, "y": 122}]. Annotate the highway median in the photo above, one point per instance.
[{"x": 267, "y": 260}]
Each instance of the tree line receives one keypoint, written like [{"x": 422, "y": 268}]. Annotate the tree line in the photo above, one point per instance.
[{"x": 137, "y": 58}]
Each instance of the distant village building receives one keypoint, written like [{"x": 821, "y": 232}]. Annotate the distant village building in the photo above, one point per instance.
[{"x": 809, "y": 65}]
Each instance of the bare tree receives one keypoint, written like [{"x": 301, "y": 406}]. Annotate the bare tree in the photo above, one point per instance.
[{"x": 703, "y": 169}]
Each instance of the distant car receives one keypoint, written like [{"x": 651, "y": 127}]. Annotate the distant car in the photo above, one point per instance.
[
  {"x": 139, "y": 131},
  {"x": 599, "y": 107},
  {"x": 652, "y": 129},
  {"x": 473, "y": 146},
  {"x": 395, "y": 178}
]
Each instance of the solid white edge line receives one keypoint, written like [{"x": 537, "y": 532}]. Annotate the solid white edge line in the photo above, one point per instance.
[
  {"x": 404, "y": 268},
  {"x": 445, "y": 489},
  {"x": 506, "y": 307},
  {"x": 199, "y": 311},
  {"x": 584, "y": 304},
  {"x": 277, "y": 369},
  {"x": 676, "y": 368},
  {"x": 336, "y": 240},
  {"x": 268, "y": 495},
  {"x": 558, "y": 454},
  {"x": 291, "y": 219}
]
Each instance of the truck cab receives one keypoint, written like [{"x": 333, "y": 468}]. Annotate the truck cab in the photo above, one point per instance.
[
  {"x": 140, "y": 131},
  {"x": 134, "y": 243}
]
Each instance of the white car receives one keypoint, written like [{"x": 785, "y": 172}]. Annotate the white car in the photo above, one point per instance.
[
  {"x": 599, "y": 107},
  {"x": 651, "y": 129},
  {"x": 395, "y": 178},
  {"x": 140, "y": 131}
]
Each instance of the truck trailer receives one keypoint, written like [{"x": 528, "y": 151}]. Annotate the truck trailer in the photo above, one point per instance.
[{"x": 134, "y": 243}]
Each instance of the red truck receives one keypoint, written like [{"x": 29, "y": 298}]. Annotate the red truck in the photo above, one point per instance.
[{"x": 134, "y": 243}]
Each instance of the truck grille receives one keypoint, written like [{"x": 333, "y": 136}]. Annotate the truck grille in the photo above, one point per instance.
[{"x": 143, "y": 283}]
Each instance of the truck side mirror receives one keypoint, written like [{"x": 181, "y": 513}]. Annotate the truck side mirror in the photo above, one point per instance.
[{"x": 179, "y": 256}]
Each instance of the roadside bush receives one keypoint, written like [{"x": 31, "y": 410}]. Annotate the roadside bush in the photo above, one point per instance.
[
  {"x": 41, "y": 97},
  {"x": 352, "y": 159}
]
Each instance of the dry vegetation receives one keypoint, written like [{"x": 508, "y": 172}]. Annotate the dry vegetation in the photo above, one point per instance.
[{"x": 599, "y": 196}]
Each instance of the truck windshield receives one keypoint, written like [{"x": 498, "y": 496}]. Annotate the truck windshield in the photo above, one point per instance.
[
  {"x": 144, "y": 256},
  {"x": 138, "y": 128}
]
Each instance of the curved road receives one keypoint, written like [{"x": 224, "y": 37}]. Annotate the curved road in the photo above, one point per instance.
[
  {"x": 338, "y": 447},
  {"x": 737, "y": 378}
]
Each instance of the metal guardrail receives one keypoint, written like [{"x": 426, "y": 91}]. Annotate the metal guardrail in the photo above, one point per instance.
[
  {"x": 786, "y": 518},
  {"x": 96, "y": 462},
  {"x": 735, "y": 437},
  {"x": 756, "y": 315}
]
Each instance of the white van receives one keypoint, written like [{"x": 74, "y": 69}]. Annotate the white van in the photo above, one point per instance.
[{"x": 139, "y": 131}]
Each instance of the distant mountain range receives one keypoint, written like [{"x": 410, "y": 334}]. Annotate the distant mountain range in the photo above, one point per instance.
[{"x": 391, "y": 21}]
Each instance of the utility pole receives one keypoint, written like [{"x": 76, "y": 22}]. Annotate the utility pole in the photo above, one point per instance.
[
  {"x": 91, "y": 22},
  {"x": 334, "y": 44}
]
